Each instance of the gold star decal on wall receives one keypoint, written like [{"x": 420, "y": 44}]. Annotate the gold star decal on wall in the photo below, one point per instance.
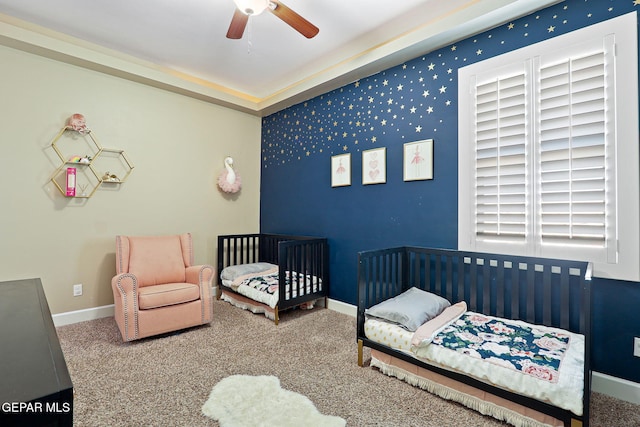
[{"x": 399, "y": 99}]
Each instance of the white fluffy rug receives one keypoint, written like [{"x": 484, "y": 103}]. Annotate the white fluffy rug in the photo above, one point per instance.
[{"x": 244, "y": 400}]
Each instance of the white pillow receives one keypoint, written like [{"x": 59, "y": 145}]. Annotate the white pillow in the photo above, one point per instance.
[
  {"x": 410, "y": 309},
  {"x": 233, "y": 271}
]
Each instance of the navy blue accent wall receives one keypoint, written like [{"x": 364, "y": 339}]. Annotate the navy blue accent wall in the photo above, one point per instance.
[{"x": 414, "y": 101}]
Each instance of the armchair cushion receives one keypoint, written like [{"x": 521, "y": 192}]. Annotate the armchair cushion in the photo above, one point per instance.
[
  {"x": 167, "y": 294},
  {"x": 156, "y": 260}
]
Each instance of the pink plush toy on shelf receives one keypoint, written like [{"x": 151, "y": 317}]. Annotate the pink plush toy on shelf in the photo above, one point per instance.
[
  {"x": 229, "y": 180},
  {"x": 78, "y": 123}
]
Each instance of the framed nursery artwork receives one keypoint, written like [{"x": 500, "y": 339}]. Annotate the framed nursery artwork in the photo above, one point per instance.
[
  {"x": 418, "y": 160},
  {"x": 374, "y": 166},
  {"x": 341, "y": 170}
]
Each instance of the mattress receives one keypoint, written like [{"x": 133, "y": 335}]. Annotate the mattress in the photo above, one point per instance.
[
  {"x": 564, "y": 390},
  {"x": 263, "y": 286}
]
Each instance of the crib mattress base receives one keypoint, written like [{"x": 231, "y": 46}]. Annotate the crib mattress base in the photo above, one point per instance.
[{"x": 450, "y": 389}]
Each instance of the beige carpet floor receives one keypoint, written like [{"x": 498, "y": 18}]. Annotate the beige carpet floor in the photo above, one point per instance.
[{"x": 164, "y": 381}]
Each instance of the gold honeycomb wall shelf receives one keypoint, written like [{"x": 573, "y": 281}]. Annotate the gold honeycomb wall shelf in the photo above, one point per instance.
[
  {"x": 93, "y": 169},
  {"x": 116, "y": 164}
]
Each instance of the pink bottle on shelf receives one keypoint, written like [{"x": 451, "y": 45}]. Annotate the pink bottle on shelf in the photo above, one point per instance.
[{"x": 71, "y": 182}]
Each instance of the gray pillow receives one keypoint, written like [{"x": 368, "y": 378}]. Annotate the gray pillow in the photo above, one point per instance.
[
  {"x": 230, "y": 273},
  {"x": 410, "y": 309}
]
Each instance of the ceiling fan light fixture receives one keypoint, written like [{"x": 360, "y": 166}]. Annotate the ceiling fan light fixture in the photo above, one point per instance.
[{"x": 251, "y": 7}]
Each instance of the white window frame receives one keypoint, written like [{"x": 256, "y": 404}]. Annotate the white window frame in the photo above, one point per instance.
[{"x": 618, "y": 256}]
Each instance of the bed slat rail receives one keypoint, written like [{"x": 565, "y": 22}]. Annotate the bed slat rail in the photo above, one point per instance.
[
  {"x": 307, "y": 261},
  {"x": 237, "y": 249},
  {"x": 536, "y": 290}
]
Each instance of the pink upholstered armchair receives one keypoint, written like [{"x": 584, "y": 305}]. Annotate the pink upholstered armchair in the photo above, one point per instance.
[{"x": 157, "y": 288}]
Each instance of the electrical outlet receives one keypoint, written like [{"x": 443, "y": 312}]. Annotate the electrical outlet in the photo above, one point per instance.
[
  {"x": 77, "y": 290},
  {"x": 636, "y": 347}
]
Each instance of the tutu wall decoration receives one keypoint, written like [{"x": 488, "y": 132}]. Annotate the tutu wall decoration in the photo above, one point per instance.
[
  {"x": 229, "y": 180},
  {"x": 78, "y": 123}
]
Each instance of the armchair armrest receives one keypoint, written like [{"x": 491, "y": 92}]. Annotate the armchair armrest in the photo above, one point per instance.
[
  {"x": 125, "y": 298},
  {"x": 199, "y": 274},
  {"x": 202, "y": 275},
  {"x": 125, "y": 284}
]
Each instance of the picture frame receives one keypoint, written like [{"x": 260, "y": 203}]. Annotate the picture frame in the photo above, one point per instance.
[
  {"x": 374, "y": 166},
  {"x": 341, "y": 170},
  {"x": 418, "y": 160}
]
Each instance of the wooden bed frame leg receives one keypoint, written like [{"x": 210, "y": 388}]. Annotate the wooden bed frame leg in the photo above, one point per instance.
[
  {"x": 276, "y": 316},
  {"x": 576, "y": 423},
  {"x": 360, "y": 353}
]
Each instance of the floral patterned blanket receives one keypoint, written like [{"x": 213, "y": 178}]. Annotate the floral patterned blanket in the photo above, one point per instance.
[
  {"x": 263, "y": 287},
  {"x": 267, "y": 283},
  {"x": 532, "y": 351}
]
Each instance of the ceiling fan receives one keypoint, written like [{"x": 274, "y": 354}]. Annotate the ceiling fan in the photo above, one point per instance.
[{"x": 246, "y": 8}]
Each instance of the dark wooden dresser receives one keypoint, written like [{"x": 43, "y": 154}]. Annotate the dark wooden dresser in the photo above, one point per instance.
[{"x": 35, "y": 386}]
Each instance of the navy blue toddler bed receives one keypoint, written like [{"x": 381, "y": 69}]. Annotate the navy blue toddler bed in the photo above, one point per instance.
[
  {"x": 508, "y": 336},
  {"x": 269, "y": 273}
]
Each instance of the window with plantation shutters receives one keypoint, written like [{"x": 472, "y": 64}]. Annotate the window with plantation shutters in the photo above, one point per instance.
[{"x": 548, "y": 150}]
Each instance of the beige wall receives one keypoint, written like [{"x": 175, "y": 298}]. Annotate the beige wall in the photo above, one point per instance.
[{"x": 177, "y": 145}]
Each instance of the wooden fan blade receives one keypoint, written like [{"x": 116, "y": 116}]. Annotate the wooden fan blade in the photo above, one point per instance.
[
  {"x": 296, "y": 21},
  {"x": 238, "y": 24}
]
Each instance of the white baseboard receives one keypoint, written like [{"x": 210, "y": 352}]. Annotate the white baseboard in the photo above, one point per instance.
[
  {"x": 616, "y": 387},
  {"x": 77, "y": 316},
  {"x": 342, "y": 307},
  {"x": 70, "y": 317},
  {"x": 602, "y": 383}
]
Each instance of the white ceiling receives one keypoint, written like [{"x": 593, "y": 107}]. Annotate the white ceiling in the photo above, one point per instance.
[{"x": 181, "y": 45}]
